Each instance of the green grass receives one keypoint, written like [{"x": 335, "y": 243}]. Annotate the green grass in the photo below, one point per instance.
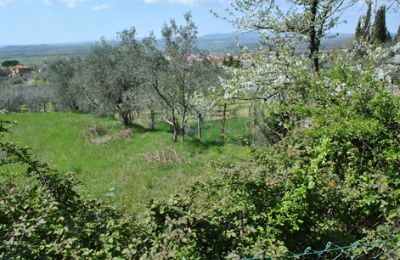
[{"x": 117, "y": 170}]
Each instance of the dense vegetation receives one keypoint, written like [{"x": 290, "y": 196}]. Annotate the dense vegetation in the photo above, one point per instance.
[
  {"x": 334, "y": 179},
  {"x": 319, "y": 163}
]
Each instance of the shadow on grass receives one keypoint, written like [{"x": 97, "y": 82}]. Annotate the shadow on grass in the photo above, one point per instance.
[
  {"x": 138, "y": 128},
  {"x": 204, "y": 145}
]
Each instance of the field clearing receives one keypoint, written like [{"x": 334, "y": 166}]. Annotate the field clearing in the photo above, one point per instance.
[{"x": 127, "y": 171}]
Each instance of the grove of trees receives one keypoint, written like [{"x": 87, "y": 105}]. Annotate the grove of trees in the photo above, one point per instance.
[{"x": 128, "y": 76}]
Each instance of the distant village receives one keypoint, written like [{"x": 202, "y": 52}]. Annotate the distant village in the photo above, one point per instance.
[{"x": 13, "y": 69}]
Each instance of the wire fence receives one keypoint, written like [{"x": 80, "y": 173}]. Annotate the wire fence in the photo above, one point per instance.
[{"x": 376, "y": 249}]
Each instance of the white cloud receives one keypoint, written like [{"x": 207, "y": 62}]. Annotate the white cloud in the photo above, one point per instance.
[
  {"x": 184, "y": 2},
  {"x": 101, "y": 7},
  {"x": 73, "y": 3},
  {"x": 5, "y": 2},
  {"x": 67, "y": 3}
]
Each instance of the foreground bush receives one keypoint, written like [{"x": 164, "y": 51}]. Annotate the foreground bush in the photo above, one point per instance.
[{"x": 46, "y": 218}]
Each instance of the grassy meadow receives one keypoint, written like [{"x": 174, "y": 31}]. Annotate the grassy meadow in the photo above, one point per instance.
[{"x": 126, "y": 169}]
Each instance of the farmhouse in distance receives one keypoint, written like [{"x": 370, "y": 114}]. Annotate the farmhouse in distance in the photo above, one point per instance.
[{"x": 20, "y": 70}]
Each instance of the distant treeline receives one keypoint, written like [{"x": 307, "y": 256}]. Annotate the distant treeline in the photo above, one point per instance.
[{"x": 215, "y": 43}]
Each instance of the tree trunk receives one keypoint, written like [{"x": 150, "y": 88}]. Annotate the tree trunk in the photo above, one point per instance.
[
  {"x": 223, "y": 124},
  {"x": 183, "y": 126},
  {"x": 182, "y": 133},
  {"x": 199, "y": 126},
  {"x": 126, "y": 118},
  {"x": 44, "y": 106},
  {"x": 313, "y": 44},
  {"x": 175, "y": 126},
  {"x": 152, "y": 119}
]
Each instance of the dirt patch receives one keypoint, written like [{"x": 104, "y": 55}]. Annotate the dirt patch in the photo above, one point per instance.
[
  {"x": 97, "y": 135},
  {"x": 128, "y": 133},
  {"x": 96, "y": 130}
]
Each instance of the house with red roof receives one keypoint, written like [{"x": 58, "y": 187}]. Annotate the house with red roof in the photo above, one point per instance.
[{"x": 20, "y": 70}]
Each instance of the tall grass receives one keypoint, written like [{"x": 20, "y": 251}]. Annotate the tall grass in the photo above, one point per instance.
[{"x": 120, "y": 170}]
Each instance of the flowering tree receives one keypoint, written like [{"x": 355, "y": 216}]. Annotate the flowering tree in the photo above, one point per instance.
[
  {"x": 300, "y": 20},
  {"x": 202, "y": 106}
]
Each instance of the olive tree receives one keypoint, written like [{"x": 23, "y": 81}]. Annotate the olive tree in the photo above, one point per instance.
[
  {"x": 182, "y": 75},
  {"x": 59, "y": 76},
  {"x": 155, "y": 93},
  {"x": 111, "y": 77},
  {"x": 179, "y": 42}
]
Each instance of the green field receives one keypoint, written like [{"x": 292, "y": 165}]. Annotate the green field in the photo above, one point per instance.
[{"x": 127, "y": 171}]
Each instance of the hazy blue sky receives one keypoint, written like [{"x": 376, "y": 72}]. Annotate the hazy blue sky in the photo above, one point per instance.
[{"x": 56, "y": 21}]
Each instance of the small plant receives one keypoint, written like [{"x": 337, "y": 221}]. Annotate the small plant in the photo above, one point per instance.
[{"x": 164, "y": 156}]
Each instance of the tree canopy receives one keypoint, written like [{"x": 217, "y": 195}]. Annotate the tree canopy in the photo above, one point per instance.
[{"x": 9, "y": 63}]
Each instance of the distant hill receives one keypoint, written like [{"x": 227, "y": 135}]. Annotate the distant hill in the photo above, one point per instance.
[
  {"x": 214, "y": 43},
  {"x": 227, "y": 42},
  {"x": 44, "y": 50}
]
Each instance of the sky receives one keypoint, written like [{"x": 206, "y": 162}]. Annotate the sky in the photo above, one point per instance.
[{"x": 60, "y": 21}]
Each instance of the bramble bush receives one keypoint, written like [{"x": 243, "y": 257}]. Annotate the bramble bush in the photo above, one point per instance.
[{"x": 334, "y": 179}]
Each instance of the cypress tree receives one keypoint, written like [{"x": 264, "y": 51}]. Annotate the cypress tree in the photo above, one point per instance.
[
  {"x": 358, "y": 34},
  {"x": 380, "y": 32},
  {"x": 397, "y": 37},
  {"x": 366, "y": 29}
]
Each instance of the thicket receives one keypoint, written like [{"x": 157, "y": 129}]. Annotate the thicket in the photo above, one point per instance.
[{"x": 334, "y": 179}]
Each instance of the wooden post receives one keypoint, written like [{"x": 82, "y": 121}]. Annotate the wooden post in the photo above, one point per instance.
[
  {"x": 199, "y": 126},
  {"x": 223, "y": 124}
]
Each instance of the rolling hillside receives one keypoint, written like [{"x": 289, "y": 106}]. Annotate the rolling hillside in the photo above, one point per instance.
[{"x": 214, "y": 43}]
